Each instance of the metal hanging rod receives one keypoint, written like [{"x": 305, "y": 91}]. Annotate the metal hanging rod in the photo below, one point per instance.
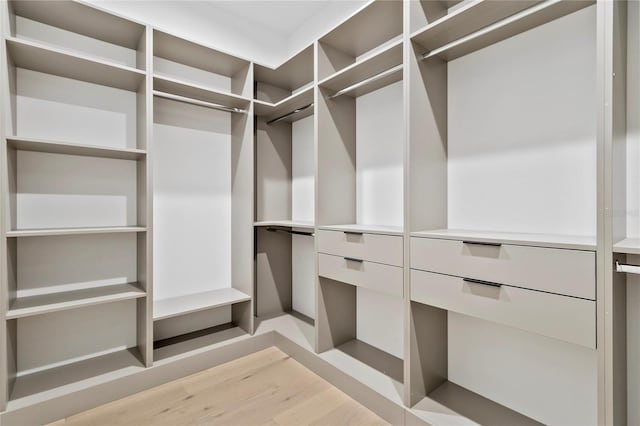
[
  {"x": 376, "y": 77},
  {"x": 289, "y": 114},
  {"x": 197, "y": 102},
  {"x": 290, "y": 231},
  {"x": 493, "y": 27},
  {"x": 630, "y": 269}
]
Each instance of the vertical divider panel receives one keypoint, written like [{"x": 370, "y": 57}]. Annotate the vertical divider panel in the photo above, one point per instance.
[
  {"x": 7, "y": 211},
  {"x": 611, "y": 288},
  {"x": 242, "y": 208},
  {"x": 145, "y": 200},
  {"x": 426, "y": 208}
]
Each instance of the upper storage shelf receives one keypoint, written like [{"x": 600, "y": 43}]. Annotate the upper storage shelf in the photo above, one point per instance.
[
  {"x": 66, "y": 63},
  {"x": 276, "y": 84},
  {"x": 82, "y": 19},
  {"x": 482, "y": 23},
  {"x": 184, "y": 68},
  {"x": 354, "y": 39}
]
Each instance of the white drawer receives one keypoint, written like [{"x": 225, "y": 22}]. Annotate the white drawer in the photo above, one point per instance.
[
  {"x": 570, "y": 272},
  {"x": 372, "y": 247},
  {"x": 373, "y": 276},
  {"x": 565, "y": 318}
]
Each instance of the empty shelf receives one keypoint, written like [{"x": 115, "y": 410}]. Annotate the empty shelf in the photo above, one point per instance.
[
  {"x": 455, "y": 405},
  {"x": 467, "y": 19},
  {"x": 46, "y": 303},
  {"x": 195, "y": 91},
  {"x": 517, "y": 23},
  {"x": 296, "y": 72},
  {"x": 181, "y": 305},
  {"x": 64, "y": 63},
  {"x": 285, "y": 223},
  {"x": 370, "y": 229},
  {"x": 370, "y": 366},
  {"x": 383, "y": 60},
  {"x": 537, "y": 240},
  {"x": 299, "y": 100},
  {"x": 627, "y": 246},
  {"x": 81, "y": 18},
  {"x": 55, "y": 147},
  {"x": 73, "y": 231},
  {"x": 39, "y": 386}
]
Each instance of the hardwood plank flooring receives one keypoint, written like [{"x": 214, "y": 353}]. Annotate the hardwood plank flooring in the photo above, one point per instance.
[{"x": 265, "y": 388}]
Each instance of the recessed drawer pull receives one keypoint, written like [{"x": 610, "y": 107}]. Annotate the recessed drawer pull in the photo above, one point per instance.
[
  {"x": 479, "y": 243},
  {"x": 353, "y": 259},
  {"x": 489, "y": 283},
  {"x": 352, "y": 233}
]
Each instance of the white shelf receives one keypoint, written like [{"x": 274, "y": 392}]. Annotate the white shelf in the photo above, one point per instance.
[
  {"x": 66, "y": 63},
  {"x": 40, "y": 386},
  {"x": 467, "y": 19},
  {"x": 450, "y": 404},
  {"x": 182, "y": 305},
  {"x": 82, "y": 18},
  {"x": 296, "y": 72},
  {"x": 285, "y": 223},
  {"x": 627, "y": 246},
  {"x": 57, "y": 147},
  {"x": 199, "y": 92},
  {"x": 517, "y": 23},
  {"x": 571, "y": 242},
  {"x": 46, "y": 303},
  {"x": 369, "y": 229},
  {"x": 298, "y": 100},
  {"x": 371, "y": 377},
  {"x": 381, "y": 61},
  {"x": 73, "y": 231}
]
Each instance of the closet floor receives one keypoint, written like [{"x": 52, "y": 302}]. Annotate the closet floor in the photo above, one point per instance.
[{"x": 264, "y": 388}]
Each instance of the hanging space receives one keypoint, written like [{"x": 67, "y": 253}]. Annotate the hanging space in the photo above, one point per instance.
[
  {"x": 360, "y": 198},
  {"x": 75, "y": 284},
  {"x": 285, "y": 161},
  {"x": 203, "y": 177},
  {"x": 503, "y": 190}
]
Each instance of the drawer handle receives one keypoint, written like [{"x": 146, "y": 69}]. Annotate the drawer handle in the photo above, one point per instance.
[
  {"x": 352, "y": 233},
  {"x": 480, "y": 243},
  {"x": 353, "y": 259},
  {"x": 489, "y": 283}
]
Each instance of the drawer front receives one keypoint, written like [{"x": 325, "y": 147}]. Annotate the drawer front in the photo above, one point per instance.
[
  {"x": 565, "y": 318},
  {"x": 570, "y": 272},
  {"x": 373, "y": 276},
  {"x": 385, "y": 249}
]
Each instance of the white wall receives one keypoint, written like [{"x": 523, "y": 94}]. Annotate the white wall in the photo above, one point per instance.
[
  {"x": 192, "y": 199},
  {"x": 522, "y": 132}
]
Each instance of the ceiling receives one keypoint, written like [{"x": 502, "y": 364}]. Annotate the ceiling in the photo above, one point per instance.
[{"x": 266, "y": 31}]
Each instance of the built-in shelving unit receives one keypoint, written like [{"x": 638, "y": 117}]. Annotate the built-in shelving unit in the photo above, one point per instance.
[
  {"x": 284, "y": 188},
  {"x": 203, "y": 134},
  {"x": 434, "y": 205},
  {"x": 360, "y": 180},
  {"x": 476, "y": 72}
]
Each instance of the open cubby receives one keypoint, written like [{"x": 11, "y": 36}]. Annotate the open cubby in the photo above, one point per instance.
[
  {"x": 369, "y": 30},
  {"x": 187, "y": 69},
  {"x": 502, "y": 150},
  {"x": 202, "y": 209}
]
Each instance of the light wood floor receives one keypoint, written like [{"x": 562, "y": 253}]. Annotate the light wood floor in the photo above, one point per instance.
[{"x": 265, "y": 388}]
